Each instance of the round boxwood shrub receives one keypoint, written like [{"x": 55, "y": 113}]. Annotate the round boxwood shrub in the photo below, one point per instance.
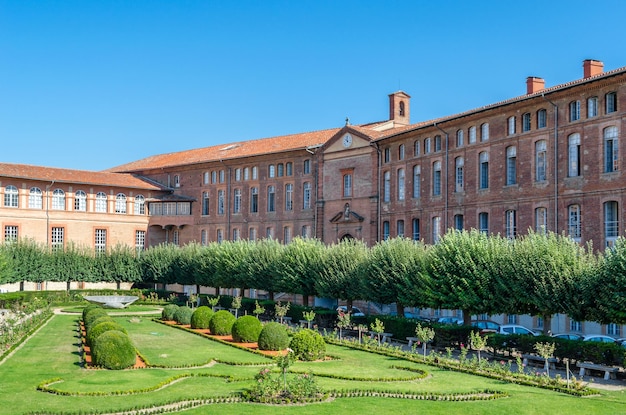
[
  {"x": 88, "y": 308},
  {"x": 201, "y": 317},
  {"x": 168, "y": 312},
  {"x": 273, "y": 337},
  {"x": 97, "y": 329},
  {"x": 308, "y": 345},
  {"x": 247, "y": 329},
  {"x": 97, "y": 321},
  {"x": 221, "y": 323},
  {"x": 93, "y": 315},
  {"x": 183, "y": 315},
  {"x": 114, "y": 350}
]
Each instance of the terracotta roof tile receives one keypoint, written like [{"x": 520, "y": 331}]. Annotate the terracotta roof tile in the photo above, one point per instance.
[
  {"x": 26, "y": 171},
  {"x": 228, "y": 151}
]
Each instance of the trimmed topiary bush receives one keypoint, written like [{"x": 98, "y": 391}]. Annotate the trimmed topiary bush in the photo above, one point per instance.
[
  {"x": 97, "y": 329},
  {"x": 97, "y": 321},
  {"x": 168, "y": 312},
  {"x": 114, "y": 350},
  {"x": 183, "y": 315},
  {"x": 221, "y": 323},
  {"x": 247, "y": 329},
  {"x": 308, "y": 345},
  {"x": 88, "y": 308},
  {"x": 201, "y": 317},
  {"x": 274, "y": 336},
  {"x": 93, "y": 315}
]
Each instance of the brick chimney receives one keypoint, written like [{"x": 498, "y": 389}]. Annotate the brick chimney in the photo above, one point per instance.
[
  {"x": 534, "y": 84},
  {"x": 592, "y": 68},
  {"x": 400, "y": 108}
]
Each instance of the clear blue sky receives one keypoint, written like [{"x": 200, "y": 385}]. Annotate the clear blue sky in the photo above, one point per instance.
[{"x": 91, "y": 84}]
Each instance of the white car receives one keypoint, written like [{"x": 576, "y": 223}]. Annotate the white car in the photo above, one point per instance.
[
  {"x": 515, "y": 329},
  {"x": 599, "y": 338}
]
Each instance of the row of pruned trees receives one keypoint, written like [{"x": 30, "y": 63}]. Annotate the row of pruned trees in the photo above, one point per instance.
[{"x": 537, "y": 274}]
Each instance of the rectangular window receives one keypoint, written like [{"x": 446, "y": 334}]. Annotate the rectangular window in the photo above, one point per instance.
[
  {"x": 386, "y": 187},
  {"x": 511, "y": 125},
  {"x": 436, "y": 229},
  {"x": 286, "y": 234},
  {"x": 205, "y": 177},
  {"x": 540, "y": 160},
  {"x": 237, "y": 174},
  {"x": 416, "y": 229},
  {"x": 611, "y": 223},
  {"x": 57, "y": 238},
  {"x": 512, "y": 319},
  {"x": 387, "y": 155},
  {"x": 221, "y": 176},
  {"x": 10, "y": 196},
  {"x": 458, "y": 222},
  {"x": 437, "y": 143},
  {"x": 176, "y": 237},
  {"x": 10, "y": 233},
  {"x": 100, "y": 240},
  {"x": 542, "y": 118},
  {"x": 484, "y": 171},
  {"x": 271, "y": 199},
  {"x": 205, "y": 203},
  {"x": 255, "y": 173},
  {"x": 401, "y": 152},
  {"x": 592, "y": 107},
  {"x": 213, "y": 177},
  {"x": 236, "y": 234},
  {"x": 416, "y": 148},
  {"x": 289, "y": 169},
  {"x": 254, "y": 200},
  {"x": 220, "y": 202},
  {"x": 306, "y": 168},
  {"x": 573, "y": 155},
  {"x": 289, "y": 197},
  {"x": 611, "y": 162},
  {"x": 401, "y": 186},
  {"x": 417, "y": 181},
  {"x": 574, "y": 222},
  {"x": 459, "y": 165},
  {"x": 269, "y": 233},
  {"x": 140, "y": 240},
  {"x": 460, "y": 140},
  {"x": 613, "y": 329},
  {"x": 511, "y": 166},
  {"x": 575, "y": 326},
  {"x": 306, "y": 231},
  {"x": 484, "y": 132},
  {"x": 306, "y": 195},
  {"x": 400, "y": 228},
  {"x": 574, "y": 110},
  {"x": 611, "y": 102},
  {"x": 472, "y": 135},
  {"x": 347, "y": 185},
  {"x": 385, "y": 230},
  {"x": 510, "y": 224},
  {"x": 220, "y": 236},
  {"x": 252, "y": 234},
  {"x": 483, "y": 222},
  {"x": 541, "y": 220},
  {"x": 281, "y": 170},
  {"x": 203, "y": 238},
  {"x": 237, "y": 201},
  {"x": 526, "y": 122},
  {"x": 436, "y": 178},
  {"x": 427, "y": 146},
  {"x": 246, "y": 173}
]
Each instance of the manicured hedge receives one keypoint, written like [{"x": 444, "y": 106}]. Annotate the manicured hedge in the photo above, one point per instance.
[
  {"x": 100, "y": 328},
  {"x": 274, "y": 336},
  {"x": 221, "y": 323},
  {"x": 247, "y": 329},
  {"x": 308, "y": 345},
  {"x": 201, "y": 317},
  {"x": 169, "y": 311},
  {"x": 114, "y": 350},
  {"x": 183, "y": 315}
]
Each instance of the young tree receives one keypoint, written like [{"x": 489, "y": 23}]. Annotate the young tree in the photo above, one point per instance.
[{"x": 300, "y": 266}]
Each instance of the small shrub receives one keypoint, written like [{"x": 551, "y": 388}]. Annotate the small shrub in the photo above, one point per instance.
[
  {"x": 97, "y": 321},
  {"x": 114, "y": 350},
  {"x": 88, "y": 308},
  {"x": 100, "y": 328},
  {"x": 201, "y": 317},
  {"x": 308, "y": 345},
  {"x": 168, "y": 312},
  {"x": 221, "y": 323},
  {"x": 247, "y": 329},
  {"x": 273, "y": 337},
  {"x": 183, "y": 315},
  {"x": 93, "y": 315}
]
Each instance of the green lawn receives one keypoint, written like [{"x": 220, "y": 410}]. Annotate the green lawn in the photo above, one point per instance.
[{"x": 52, "y": 353}]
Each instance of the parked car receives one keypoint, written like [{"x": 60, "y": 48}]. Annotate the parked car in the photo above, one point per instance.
[
  {"x": 485, "y": 326},
  {"x": 515, "y": 329},
  {"x": 449, "y": 320},
  {"x": 355, "y": 311},
  {"x": 599, "y": 338},
  {"x": 567, "y": 336}
]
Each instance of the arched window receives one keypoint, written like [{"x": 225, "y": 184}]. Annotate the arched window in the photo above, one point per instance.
[
  {"x": 120, "y": 203},
  {"x": 80, "y": 201},
  {"x": 484, "y": 132},
  {"x": 140, "y": 205},
  {"x": 611, "y": 162},
  {"x": 101, "y": 202},
  {"x": 58, "y": 199},
  {"x": 11, "y": 196}
]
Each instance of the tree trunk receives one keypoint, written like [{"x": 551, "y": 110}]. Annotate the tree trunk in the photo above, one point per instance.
[
  {"x": 547, "y": 324},
  {"x": 271, "y": 295},
  {"x": 305, "y": 300},
  {"x": 467, "y": 317},
  {"x": 400, "y": 309},
  {"x": 349, "y": 305}
]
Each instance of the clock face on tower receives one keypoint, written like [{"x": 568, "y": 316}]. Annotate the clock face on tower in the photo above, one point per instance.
[{"x": 347, "y": 140}]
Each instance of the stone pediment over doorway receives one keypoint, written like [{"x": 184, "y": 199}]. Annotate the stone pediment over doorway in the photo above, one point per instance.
[{"x": 347, "y": 216}]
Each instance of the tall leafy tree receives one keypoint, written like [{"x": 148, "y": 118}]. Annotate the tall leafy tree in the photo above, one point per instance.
[
  {"x": 341, "y": 272},
  {"x": 231, "y": 270},
  {"x": 606, "y": 287},
  {"x": 262, "y": 263},
  {"x": 463, "y": 267},
  {"x": 300, "y": 266},
  {"x": 157, "y": 264},
  {"x": 394, "y": 273},
  {"x": 547, "y": 270}
]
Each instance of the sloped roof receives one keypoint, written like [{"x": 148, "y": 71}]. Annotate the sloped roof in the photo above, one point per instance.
[
  {"x": 272, "y": 145},
  {"x": 48, "y": 174}
]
